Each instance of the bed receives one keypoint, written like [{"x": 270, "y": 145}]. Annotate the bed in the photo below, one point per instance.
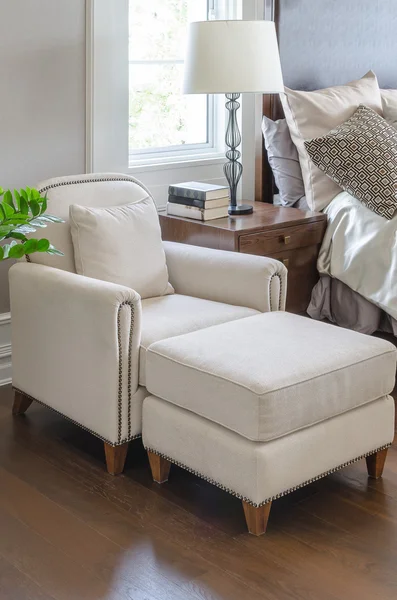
[{"x": 322, "y": 44}]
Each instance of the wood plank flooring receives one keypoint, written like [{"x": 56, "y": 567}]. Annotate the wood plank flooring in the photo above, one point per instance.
[{"x": 70, "y": 531}]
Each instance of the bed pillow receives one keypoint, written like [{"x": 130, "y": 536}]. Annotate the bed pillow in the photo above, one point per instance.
[
  {"x": 361, "y": 157},
  {"x": 284, "y": 161},
  {"x": 313, "y": 114},
  {"x": 121, "y": 244},
  {"x": 389, "y": 104}
]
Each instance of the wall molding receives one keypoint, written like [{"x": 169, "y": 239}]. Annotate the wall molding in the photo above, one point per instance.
[{"x": 5, "y": 349}]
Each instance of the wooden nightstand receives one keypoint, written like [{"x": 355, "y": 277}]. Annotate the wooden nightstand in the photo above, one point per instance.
[{"x": 292, "y": 236}]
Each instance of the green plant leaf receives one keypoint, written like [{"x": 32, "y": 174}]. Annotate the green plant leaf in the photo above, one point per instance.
[
  {"x": 43, "y": 204},
  {"x": 17, "y": 197},
  {"x": 1, "y": 191},
  {"x": 1, "y": 253},
  {"x": 23, "y": 205},
  {"x": 52, "y": 250},
  {"x": 34, "y": 207},
  {"x": 5, "y": 230},
  {"x": 38, "y": 222},
  {"x": 8, "y": 199},
  {"x": 51, "y": 219},
  {"x": 18, "y": 235},
  {"x": 2, "y": 213},
  {"x": 43, "y": 245},
  {"x": 24, "y": 194},
  {"x": 30, "y": 246},
  {"x": 35, "y": 194},
  {"x": 24, "y": 229},
  {"x": 8, "y": 210},
  {"x": 16, "y": 251}
]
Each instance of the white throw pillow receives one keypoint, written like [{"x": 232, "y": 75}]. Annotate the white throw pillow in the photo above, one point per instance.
[
  {"x": 121, "y": 244},
  {"x": 389, "y": 102},
  {"x": 313, "y": 114}
]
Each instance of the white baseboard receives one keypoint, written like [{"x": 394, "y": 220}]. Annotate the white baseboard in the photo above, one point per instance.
[{"x": 5, "y": 349}]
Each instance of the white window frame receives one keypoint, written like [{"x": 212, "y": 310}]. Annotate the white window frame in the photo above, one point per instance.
[{"x": 107, "y": 109}]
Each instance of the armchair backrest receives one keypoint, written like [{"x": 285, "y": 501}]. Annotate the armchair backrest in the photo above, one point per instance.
[{"x": 99, "y": 190}]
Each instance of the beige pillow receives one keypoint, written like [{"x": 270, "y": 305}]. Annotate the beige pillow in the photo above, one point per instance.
[
  {"x": 313, "y": 114},
  {"x": 121, "y": 244},
  {"x": 389, "y": 103}
]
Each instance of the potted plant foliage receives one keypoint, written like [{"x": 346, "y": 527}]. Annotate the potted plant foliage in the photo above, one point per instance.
[{"x": 21, "y": 214}]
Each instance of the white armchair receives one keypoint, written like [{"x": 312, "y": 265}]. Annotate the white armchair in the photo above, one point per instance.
[{"x": 79, "y": 344}]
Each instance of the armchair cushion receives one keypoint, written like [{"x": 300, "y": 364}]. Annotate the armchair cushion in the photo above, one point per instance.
[
  {"x": 170, "y": 316},
  {"x": 121, "y": 244}
]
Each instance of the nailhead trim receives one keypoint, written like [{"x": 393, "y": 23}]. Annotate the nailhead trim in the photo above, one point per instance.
[
  {"x": 92, "y": 180},
  {"x": 280, "y": 293},
  {"x": 120, "y": 382},
  {"x": 247, "y": 500}
]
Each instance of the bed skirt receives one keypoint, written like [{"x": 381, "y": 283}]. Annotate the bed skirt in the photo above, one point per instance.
[{"x": 335, "y": 301}]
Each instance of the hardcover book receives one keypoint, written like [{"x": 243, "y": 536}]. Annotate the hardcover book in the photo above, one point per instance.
[
  {"x": 199, "y": 214},
  {"x": 198, "y": 190},
  {"x": 207, "y": 204}
]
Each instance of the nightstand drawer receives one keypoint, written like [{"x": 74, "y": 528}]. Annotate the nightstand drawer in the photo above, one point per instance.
[{"x": 278, "y": 240}]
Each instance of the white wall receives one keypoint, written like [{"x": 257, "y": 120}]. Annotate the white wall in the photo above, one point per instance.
[{"x": 42, "y": 99}]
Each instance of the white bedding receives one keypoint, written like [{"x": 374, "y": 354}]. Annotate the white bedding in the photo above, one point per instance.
[{"x": 359, "y": 249}]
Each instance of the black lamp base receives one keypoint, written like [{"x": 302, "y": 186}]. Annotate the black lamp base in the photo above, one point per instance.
[{"x": 242, "y": 209}]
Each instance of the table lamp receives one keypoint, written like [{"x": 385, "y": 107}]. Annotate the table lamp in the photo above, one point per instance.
[{"x": 232, "y": 57}]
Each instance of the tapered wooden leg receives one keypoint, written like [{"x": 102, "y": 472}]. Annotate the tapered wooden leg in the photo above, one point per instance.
[
  {"x": 115, "y": 458},
  {"x": 21, "y": 403},
  {"x": 257, "y": 518},
  {"x": 375, "y": 463},
  {"x": 160, "y": 467}
]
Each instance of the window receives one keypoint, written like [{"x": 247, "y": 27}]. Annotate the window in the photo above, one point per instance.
[
  {"x": 138, "y": 121},
  {"x": 164, "y": 123}
]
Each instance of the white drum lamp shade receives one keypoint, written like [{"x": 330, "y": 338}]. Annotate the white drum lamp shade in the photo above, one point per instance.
[{"x": 232, "y": 57}]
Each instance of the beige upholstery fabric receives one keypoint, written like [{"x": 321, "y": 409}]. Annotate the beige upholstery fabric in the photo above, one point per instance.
[
  {"x": 259, "y": 471},
  {"x": 70, "y": 336},
  {"x": 241, "y": 279},
  {"x": 269, "y": 375},
  {"x": 121, "y": 244},
  {"x": 170, "y": 316},
  {"x": 313, "y": 114}
]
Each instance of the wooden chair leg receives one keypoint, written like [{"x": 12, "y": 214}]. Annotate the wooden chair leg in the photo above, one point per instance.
[
  {"x": 160, "y": 467},
  {"x": 257, "y": 518},
  {"x": 21, "y": 403},
  {"x": 115, "y": 458},
  {"x": 375, "y": 463}
]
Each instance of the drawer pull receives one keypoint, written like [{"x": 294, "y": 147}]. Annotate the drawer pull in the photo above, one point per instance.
[
  {"x": 286, "y": 262},
  {"x": 287, "y": 239}
]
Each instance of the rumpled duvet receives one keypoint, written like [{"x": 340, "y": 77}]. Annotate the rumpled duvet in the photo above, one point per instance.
[{"x": 359, "y": 249}]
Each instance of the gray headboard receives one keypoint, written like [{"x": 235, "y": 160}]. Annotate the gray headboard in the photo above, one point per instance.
[
  {"x": 328, "y": 42},
  {"x": 331, "y": 42}
]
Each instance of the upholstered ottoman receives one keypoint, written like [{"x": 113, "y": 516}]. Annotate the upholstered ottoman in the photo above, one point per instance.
[{"x": 267, "y": 404}]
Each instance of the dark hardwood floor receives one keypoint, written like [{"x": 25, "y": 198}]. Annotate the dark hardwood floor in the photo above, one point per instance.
[{"x": 70, "y": 531}]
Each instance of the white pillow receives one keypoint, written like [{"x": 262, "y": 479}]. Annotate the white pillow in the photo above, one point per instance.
[
  {"x": 389, "y": 102},
  {"x": 313, "y": 114},
  {"x": 121, "y": 244}
]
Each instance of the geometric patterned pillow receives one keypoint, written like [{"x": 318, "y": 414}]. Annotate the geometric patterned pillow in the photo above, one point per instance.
[{"x": 361, "y": 157}]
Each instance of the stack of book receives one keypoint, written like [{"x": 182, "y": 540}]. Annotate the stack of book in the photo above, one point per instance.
[{"x": 196, "y": 200}]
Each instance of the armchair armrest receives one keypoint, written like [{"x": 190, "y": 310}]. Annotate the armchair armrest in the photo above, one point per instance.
[
  {"x": 230, "y": 277},
  {"x": 75, "y": 344}
]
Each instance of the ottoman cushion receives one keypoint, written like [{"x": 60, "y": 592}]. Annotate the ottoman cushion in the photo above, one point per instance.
[{"x": 268, "y": 375}]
